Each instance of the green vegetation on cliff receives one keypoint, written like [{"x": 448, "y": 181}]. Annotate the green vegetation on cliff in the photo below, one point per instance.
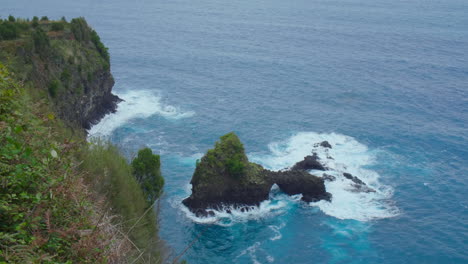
[
  {"x": 147, "y": 170},
  {"x": 62, "y": 199},
  {"x": 109, "y": 173},
  {"x": 44, "y": 209},
  {"x": 65, "y": 59}
]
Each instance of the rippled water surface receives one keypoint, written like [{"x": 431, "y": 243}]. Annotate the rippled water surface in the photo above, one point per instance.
[{"x": 385, "y": 82}]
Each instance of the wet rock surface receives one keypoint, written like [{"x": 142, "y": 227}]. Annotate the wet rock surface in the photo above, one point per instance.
[
  {"x": 225, "y": 178},
  {"x": 310, "y": 162}
]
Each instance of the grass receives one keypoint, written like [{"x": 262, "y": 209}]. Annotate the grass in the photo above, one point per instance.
[{"x": 111, "y": 175}]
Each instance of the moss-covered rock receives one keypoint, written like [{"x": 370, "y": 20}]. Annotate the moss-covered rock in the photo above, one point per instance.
[{"x": 224, "y": 176}]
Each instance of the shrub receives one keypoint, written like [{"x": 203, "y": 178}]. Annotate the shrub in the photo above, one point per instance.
[
  {"x": 35, "y": 22},
  {"x": 40, "y": 40},
  {"x": 8, "y": 31},
  {"x": 233, "y": 150},
  {"x": 11, "y": 18},
  {"x": 147, "y": 170},
  {"x": 80, "y": 29},
  {"x": 235, "y": 165},
  {"x": 110, "y": 173},
  {"x": 57, "y": 26},
  {"x": 65, "y": 77},
  {"x": 228, "y": 156},
  {"x": 44, "y": 18},
  {"x": 54, "y": 87},
  {"x": 100, "y": 46}
]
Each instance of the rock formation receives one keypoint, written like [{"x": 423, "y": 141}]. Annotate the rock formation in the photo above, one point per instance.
[
  {"x": 225, "y": 177},
  {"x": 309, "y": 163},
  {"x": 294, "y": 182}
]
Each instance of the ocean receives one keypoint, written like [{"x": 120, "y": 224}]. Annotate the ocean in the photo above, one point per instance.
[{"x": 385, "y": 82}]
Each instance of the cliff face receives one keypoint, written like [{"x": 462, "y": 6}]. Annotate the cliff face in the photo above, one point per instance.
[
  {"x": 95, "y": 101},
  {"x": 67, "y": 61}
]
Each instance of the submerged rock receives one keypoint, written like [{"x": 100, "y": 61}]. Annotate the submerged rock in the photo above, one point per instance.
[
  {"x": 353, "y": 178},
  {"x": 225, "y": 177},
  {"x": 328, "y": 177},
  {"x": 325, "y": 144},
  {"x": 362, "y": 188},
  {"x": 359, "y": 185},
  {"x": 309, "y": 163}
]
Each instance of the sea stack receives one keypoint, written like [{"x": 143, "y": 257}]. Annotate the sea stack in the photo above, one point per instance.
[{"x": 225, "y": 177}]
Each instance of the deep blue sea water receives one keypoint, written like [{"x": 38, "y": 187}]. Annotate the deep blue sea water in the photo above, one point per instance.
[{"x": 386, "y": 82}]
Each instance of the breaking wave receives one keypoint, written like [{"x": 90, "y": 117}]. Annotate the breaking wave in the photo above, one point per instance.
[
  {"x": 136, "y": 104},
  {"x": 346, "y": 155}
]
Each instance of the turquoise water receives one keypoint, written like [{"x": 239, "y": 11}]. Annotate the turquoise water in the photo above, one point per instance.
[{"x": 386, "y": 82}]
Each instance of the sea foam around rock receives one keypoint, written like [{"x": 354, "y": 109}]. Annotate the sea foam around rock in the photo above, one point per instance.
[{"x": 346, "y": 155}]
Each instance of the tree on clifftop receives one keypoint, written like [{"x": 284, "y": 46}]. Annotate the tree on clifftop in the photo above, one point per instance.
[{"x": 147, "y": 170}]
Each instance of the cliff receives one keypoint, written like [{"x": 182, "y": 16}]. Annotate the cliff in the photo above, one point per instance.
[
  {"x": 63, "y": 199},
  {"x": 65, "y": 60}
]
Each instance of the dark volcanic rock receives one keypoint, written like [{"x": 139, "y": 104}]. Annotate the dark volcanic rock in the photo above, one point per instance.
[
  {"x": 325, "y": 144},
  {"x": 309, "y": 163},
  {"x": 294, "y": 182},
  {"x": 226, "y": 191},
  {"x": 362, "y": 188},
  {"x": 328, "y": 177},
  {"x": 225, "y": 177},
  {"x": 353, "y": 178},
  {"x": 100, "y": 101},
  {"x": 359, "y": 186}
]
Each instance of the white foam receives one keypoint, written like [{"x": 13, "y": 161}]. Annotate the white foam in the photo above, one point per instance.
[
  {"x": 228, "y": 216},
  {"x": 252, "y": 252},
  {"x": 278, "y": 204},
  {"x": 137, "y": 104},
  {"x": 277, "y": 231},
  {"x": 347, "y": 155}
]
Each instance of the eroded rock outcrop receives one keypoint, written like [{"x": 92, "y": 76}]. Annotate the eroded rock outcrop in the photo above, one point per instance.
[
  {"x": 359, "y": 185},
  {"x": 225, "y": 177},
  {"x": 294, "y": 182},
  {"x": 309, "y": 163}
]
